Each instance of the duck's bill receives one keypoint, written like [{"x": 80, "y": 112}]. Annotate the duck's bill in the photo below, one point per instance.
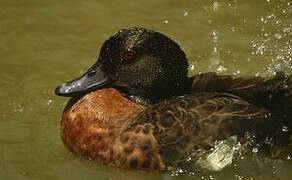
[{"x": 93, "y": 79}]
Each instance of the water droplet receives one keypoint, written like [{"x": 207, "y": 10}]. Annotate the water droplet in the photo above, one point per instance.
[
  {"x": 221, "y": 69},
  {"x": 239, "y": 177},
  {"x": 192, "y": 67},
  {"x": 191, "y": 173},
  {"x": 49, "y": 102},
  {"x": 215, "y": 6},
  {"x": 278, "y": 36},
  {"x": 255, "y": 150},
  {"x": 215, "y": 36},
  {"x": 285, "y": 128}
]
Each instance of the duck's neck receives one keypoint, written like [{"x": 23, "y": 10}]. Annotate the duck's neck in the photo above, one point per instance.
[{"x": 149, "y": 96}]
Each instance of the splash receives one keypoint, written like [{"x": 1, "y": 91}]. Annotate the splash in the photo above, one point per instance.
[
  {"x": 274, "y": 41},
  {"x": 215, "y": 159},
  {"x": 215, "y": 59},
  {"x": 221, "y": 155}
]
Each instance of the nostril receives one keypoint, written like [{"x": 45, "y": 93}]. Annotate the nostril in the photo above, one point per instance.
[{"x": 91, "y": 73}]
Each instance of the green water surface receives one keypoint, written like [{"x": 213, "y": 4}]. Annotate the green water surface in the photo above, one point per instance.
[{"x": 44, "y": 43}]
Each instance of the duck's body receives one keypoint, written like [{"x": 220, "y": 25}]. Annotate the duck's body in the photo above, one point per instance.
[
  {"x": 146, "y": 113},
  {"x": 107, "y": 126}
]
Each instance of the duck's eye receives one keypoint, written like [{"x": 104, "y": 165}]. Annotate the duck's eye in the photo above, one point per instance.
[{"x": 128, "y": 55}]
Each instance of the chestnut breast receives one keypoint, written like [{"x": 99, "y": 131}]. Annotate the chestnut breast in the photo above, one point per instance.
[{"x": 94, "y": 121}]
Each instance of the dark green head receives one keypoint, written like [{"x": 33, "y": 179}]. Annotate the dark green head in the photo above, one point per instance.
[{"x": 137, "y": 61}]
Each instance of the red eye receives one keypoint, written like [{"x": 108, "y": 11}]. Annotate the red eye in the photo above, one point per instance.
[{"x": 129, "y": 55}]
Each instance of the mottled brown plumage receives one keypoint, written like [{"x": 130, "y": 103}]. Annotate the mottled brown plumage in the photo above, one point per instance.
[
  {"x": 187, "y": 123},
  {"x": 93, "y": 127}
]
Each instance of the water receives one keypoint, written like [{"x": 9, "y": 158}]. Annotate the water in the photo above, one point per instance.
[{"x": 43, "y": 43}]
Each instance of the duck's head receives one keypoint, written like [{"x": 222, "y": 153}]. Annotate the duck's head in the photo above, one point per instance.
[{"x": 137, "y": 61}]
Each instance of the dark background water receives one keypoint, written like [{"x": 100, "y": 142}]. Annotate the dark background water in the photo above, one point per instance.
[{"x": 43, "y": 43}]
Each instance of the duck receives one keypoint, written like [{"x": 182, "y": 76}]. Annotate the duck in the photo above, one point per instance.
[{"x": 137, "y": 108}]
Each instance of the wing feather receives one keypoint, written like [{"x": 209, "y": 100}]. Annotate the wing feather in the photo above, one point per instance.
[{"x": 185, "y": 123}]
